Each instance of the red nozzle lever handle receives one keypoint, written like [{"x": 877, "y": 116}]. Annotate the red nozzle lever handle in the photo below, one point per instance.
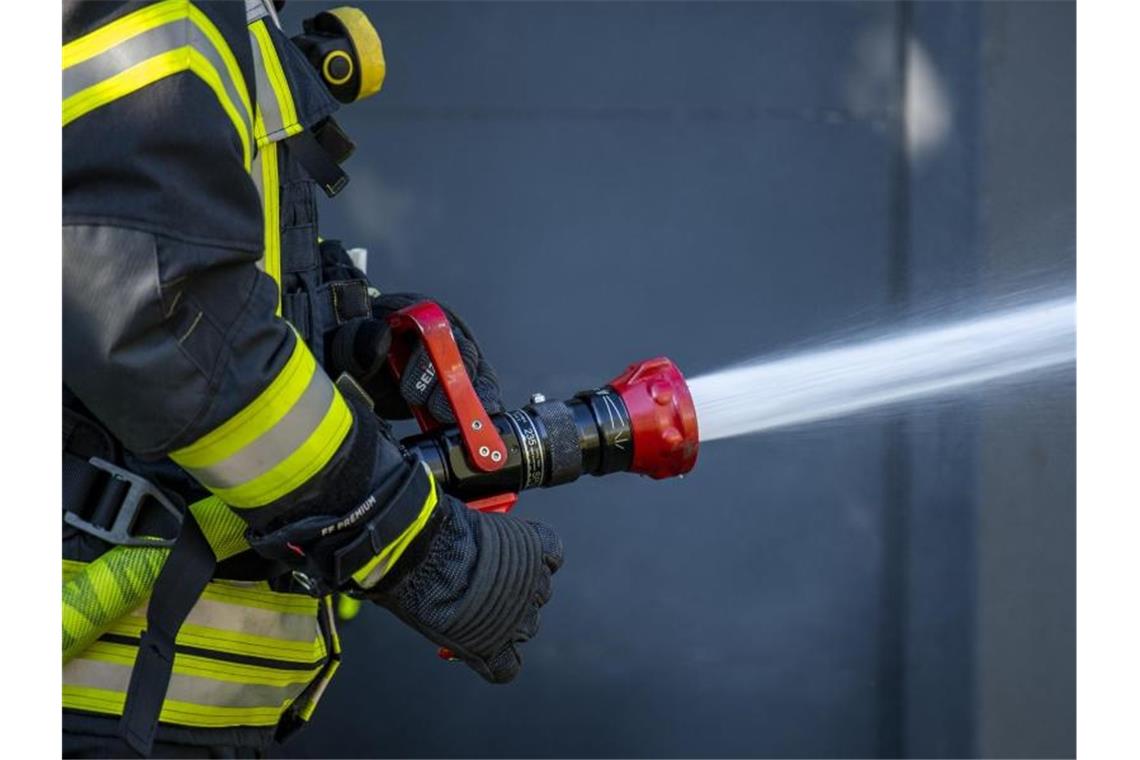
[{"x": 483, "y": 444}]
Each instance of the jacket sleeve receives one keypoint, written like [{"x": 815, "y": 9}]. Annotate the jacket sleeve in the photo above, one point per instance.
[{"x": 170, "y": 332}]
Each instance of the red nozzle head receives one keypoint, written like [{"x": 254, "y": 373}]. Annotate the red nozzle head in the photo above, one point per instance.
[{"x": 662, "y": 418}]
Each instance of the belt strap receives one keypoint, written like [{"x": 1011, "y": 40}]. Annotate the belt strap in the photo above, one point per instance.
[{"x": 182, "y": 580}]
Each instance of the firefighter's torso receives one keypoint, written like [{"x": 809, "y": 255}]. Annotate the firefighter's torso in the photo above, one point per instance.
[{"x": 256, "y": 651}]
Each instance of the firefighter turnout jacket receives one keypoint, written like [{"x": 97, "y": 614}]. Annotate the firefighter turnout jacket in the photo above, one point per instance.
[{"x": 198, "y": 300}]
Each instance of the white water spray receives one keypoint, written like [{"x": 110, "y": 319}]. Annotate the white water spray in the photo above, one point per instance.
[{"x": 835, "y": 382}]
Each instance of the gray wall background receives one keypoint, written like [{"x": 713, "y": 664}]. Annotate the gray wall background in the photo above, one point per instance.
[{"x": 591, "y": 184}]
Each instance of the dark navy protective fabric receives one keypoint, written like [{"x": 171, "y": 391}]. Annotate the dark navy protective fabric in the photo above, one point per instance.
[{"x": 162, "y": 224}]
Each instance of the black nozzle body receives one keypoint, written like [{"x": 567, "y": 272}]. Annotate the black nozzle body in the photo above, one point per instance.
[{"x": 548, "y": 443}]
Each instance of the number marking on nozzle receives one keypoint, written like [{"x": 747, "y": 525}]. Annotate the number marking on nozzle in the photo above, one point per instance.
[{"x": 530, "y": 447}]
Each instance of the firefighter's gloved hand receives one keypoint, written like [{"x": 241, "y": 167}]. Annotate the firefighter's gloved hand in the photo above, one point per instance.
[
  {"x": 360, "y": 348},
  {"x": 475, "y": 585}
]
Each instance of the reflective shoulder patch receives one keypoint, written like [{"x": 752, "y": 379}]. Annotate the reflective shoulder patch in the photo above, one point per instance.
[
  {"x": 153, "y": 43},
  {"x": 276, "y": 108}
]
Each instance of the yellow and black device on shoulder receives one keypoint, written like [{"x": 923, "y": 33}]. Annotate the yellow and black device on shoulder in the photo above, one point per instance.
[{"x": 344, "y": 47}]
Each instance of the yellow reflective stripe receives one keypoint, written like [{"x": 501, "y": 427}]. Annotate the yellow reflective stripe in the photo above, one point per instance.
[
  {"x": 234, "y": 672},
  {"x": 241, "y": 593},
  {"x": 93, "y": 700},
  {"x": 205, "y": 716},
  {"x": 259, "y": 416},
  {"x": 318, "y": 690},
  {"x": 231, "y": 642},
  {"x": 148, "y": 72},
  {"x": 271, "y": 213},
  {"x": 113, "y": 673},
  {"x": 277, "y": 80},
  {"x": 182, "y": 713},
  {"x": 206, "y": 26},
  {"x": 206, "y": 72},
  {"x": 108, "y": 36},
  {"x": 306, "y": 712},
  {"x": 330, "y": 620},
  {"x": 125, "y": 82},
  {"x": 204, "y": 667},
  {"x": 296, "y": 469},
  {"x": 378, "y": 566},
  {"x": 247, "y": 644}
]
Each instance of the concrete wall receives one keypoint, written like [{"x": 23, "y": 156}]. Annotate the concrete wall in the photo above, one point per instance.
[{"x": 1026, "y": 650}]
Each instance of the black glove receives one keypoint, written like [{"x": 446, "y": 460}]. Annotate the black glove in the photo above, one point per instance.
[
  {"x": 474, "y": 584},
  {"x": 360, "y": 348}
]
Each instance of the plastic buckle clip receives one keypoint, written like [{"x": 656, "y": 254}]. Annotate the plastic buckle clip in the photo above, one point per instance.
[{"x": 139, "y": 490}]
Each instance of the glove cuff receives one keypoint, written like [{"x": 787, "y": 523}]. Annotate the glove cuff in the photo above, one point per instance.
[
  {"x": 362, "y": 545},
  {"x": 385, "y": 539}
]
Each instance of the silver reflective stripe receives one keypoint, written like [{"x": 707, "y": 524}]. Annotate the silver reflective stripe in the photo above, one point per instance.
[
  {"x": 255, "y": 9},
  {"x": 253, "y": 621},
  {"x": 142, "y": 47},
  {"x": 255, "y": 173},
  {"x": 259, "y": 183},
  {"x": 274, "y": 445},
  {"x": 197, "y": 690},
  {"x": 249, "y": 620},
  {"x": 266, "y": 97},
  {"x": 124, "y": 55}
]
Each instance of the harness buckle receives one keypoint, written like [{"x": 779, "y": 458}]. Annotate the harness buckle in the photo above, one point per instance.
[{"x": 139, "y": 490}]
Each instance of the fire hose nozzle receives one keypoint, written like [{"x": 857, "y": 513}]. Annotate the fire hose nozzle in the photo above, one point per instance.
[
  {"x": 642, "y": 421},
  {"x": 662, "y": 418}
]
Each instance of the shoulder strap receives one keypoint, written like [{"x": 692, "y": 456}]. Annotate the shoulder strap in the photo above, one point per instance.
[{"x": 182, "y": 580}]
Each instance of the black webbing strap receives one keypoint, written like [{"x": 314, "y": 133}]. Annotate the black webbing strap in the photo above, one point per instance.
[
  {"x": 341, "y": 301},
  {"x": 179, "y": 584},
  {"x": 80, "y": 480},
  {"x": 320, "y": 165},
  {"x": 83, "y": 439}
]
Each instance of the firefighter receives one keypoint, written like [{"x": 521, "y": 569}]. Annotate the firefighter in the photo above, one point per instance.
[{"x": 219, "y": 428}]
